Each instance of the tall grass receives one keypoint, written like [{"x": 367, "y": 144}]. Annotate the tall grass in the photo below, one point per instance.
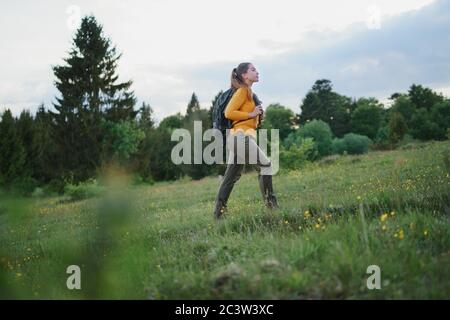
[{"x": 337, "y": 217}]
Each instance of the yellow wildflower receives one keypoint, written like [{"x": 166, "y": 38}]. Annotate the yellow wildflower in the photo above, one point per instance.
[{"x": 384, "y": 217}]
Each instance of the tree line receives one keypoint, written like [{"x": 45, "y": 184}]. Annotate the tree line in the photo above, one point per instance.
[{"x": 95, "y": 123}]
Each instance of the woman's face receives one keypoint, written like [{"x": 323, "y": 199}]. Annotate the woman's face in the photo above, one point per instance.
[{"x": 251, "y": 74}]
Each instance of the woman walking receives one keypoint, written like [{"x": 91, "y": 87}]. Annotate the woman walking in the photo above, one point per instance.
[{"x": 245, "y": 116}]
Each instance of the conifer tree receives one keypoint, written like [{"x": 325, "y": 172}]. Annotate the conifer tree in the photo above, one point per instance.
[
  {"x": 146, "y": 120},
  {"x": 43, "y": 147},
  {"x": 193, "y": 106},
  {"x": 25, "y": 132},
  {"x": 12, "y": 152},
  {"x": 89, "y": 91}
]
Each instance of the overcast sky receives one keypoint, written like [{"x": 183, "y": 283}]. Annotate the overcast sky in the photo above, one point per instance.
[{"x": 172, "y": 48}]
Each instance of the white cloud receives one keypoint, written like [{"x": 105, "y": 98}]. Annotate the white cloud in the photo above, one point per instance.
[{"x": 361, "y": 66}]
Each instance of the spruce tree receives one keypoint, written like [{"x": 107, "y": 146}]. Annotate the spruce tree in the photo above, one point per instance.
[
  {"x": 88, "y": 92},
  {"x": 146, "y": 120},
  {"x": 210, "y": 110},
  {"x": 193, "y": 106},
  {"x": 12, "y": 152},
  {"x": 141, "y": 159},
  {"x": 43, "y": 147},
  {"x": 25, "y": 133}
]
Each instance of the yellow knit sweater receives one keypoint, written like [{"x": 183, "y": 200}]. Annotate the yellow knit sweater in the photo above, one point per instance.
[{"x": 238, "y": 109}]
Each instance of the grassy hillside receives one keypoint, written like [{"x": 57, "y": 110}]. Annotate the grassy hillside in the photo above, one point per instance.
[{"x": 337, "y": 217}]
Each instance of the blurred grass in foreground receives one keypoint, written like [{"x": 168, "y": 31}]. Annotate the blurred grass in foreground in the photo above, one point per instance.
[{"x": 161, "y": 242}]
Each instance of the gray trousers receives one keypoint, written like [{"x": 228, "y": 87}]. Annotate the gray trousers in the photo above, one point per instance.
[{"x": 243, "y": 149}]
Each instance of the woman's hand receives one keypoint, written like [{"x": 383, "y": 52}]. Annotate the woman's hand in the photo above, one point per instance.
[{"x": 257, "y": 111}]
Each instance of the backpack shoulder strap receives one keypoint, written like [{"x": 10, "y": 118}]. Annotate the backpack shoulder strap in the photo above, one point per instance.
[{"x": 256, "y": 99}]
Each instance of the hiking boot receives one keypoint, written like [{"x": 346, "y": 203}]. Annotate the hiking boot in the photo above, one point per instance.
[
  {"x": 265, "y": 184},
  {"x": 220, "y": 209},
  {"x": 272, "y": 203}
]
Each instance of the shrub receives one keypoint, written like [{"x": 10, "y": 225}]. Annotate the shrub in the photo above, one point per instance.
[
  {"x": 351, "y": 143},
  {"x": 139, "y": 179},
  {"x": 356, "y": 144},
  {"x": 296, "y": 156},
  {"x": 38, "y": 193},
  {"x": 338, "y": 146},
  {"x": 382, "y": 141},
  {"x": 55, "y": 186},
  {"x": 24, "y": 186},
  {"x": 407, "y": 139},
  {"x": 318, "y": 130},
  {"x": 83, "y": 190}
]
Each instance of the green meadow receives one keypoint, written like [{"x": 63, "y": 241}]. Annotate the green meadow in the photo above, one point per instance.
[{"x": 338, "y": 216}]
